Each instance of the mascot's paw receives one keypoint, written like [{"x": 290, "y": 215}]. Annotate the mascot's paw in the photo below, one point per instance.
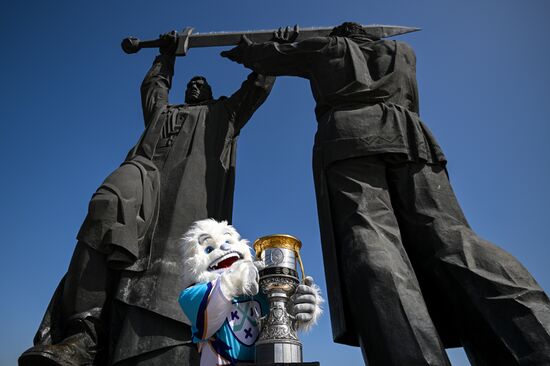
[
  {"x": 240, "y": 279},
  {"x": 260, "y": 265},
  {"x": 306, "y": 304}
]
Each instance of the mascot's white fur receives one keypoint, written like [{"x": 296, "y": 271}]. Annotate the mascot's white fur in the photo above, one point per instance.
[{"x": 220, "y": 299}]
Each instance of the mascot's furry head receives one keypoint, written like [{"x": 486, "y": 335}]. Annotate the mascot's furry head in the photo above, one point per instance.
[{"x": 211, "y": 247}]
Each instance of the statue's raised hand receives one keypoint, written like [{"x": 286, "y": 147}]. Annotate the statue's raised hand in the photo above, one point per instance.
[
  {"x": 169, "y": 42},
  {"x": 286, "y": 35}
]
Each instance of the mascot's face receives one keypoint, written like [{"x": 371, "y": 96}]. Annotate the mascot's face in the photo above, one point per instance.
[{"x": 211, "y": 247}]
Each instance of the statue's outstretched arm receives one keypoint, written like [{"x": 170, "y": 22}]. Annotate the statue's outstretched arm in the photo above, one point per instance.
[
  {"x": 250, "y": 96},
  {"x": 158, "y": 81}
]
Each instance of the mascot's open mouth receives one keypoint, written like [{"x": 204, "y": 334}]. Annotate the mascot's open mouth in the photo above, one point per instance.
[{"x": 225, "y": 261}]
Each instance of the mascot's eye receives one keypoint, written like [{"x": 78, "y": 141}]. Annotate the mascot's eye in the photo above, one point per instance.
[{"x": 208, "y": 250}]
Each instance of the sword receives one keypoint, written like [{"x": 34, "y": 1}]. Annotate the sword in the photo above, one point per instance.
[{"x": 187, "y": 39}]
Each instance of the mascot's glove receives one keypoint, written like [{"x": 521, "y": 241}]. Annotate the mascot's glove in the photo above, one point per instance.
[
  {"x": 306, "y": 304},
  {"x": 240, "y": 279},
  {"x": 259, "y": 265}
]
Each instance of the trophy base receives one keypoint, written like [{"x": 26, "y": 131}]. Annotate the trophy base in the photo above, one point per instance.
[{"x": 280, "y": 352}]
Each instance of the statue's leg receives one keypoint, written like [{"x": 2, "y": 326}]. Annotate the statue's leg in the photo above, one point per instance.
[
  {"x": 146, "y": 338},
  {"x": 185, "y": 355},
  {"x": 502, "y": 314},
  {"x": 74, "y": 330},
  {"x": 386, "y": 303},
  {"x": 77, "y": 315}
]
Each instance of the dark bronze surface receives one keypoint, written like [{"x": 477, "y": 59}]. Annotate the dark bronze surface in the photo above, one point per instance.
[
  {"x": 117, "y": 304},
  {"x": 406, "y": 275},
  {"x": 215, "y": 39}
]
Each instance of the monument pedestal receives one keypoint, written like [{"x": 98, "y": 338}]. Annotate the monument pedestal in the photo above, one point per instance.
[{"x": 281, "y": 364}]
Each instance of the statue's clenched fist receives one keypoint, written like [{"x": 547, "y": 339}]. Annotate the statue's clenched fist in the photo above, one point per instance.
[{"x": 169, "y": 43}]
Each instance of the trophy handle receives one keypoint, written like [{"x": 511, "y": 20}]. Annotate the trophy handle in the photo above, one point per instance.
[
  {"x": 301, "y": 264},
  {"x": 261, "y": 323},
  {"x": 261, "y": 319}
]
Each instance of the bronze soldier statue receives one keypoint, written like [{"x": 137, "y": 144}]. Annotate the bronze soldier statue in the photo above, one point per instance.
[
  {"x": 117, "y": 304},
  {"x": 406, "y": 275}
]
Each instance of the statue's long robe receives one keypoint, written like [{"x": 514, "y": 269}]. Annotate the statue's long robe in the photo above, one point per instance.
[
  {"x": 357, "y": 116},
  {"x": 399, "y": 254},
  {"x": 181, "y": 170}
]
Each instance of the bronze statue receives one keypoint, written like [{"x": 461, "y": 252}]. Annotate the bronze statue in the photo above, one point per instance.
[
  {"x": 406, "y": 275},
  {"x": 117, "y": 304}
]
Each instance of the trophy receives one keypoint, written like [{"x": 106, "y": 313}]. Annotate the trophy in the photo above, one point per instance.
[{"x": 278, "y": 342}]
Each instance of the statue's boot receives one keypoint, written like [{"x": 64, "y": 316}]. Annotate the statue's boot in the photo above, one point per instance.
[
  {"x": 79, "y": 348},
  {"x": 72, "y": 331}
]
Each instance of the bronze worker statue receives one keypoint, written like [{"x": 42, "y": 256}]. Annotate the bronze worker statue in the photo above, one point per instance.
[
  {"x": 117, "y": 304},
  {"x": 406, "y": 275}
]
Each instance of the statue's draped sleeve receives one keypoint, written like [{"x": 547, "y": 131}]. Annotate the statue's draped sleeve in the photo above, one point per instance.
[
  {"x": 249, "y": 97},
  {"x": 278, "y": 59},
  {"x": 155, "y": 87}
]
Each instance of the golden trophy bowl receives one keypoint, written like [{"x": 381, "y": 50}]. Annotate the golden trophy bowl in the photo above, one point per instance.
[{"x": 266, "y": 246}]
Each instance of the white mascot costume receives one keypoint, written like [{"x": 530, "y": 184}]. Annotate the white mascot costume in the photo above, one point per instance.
[{"x": 222, "y": 302}]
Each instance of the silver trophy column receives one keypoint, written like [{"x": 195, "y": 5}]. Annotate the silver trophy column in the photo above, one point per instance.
[{"x": 278, "y": 342}]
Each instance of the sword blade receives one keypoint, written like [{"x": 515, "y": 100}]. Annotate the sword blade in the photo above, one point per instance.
[{"x": 216, "y": 39}]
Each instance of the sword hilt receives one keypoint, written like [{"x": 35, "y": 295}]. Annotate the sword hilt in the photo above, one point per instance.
[{"x": 133, "y": 45}]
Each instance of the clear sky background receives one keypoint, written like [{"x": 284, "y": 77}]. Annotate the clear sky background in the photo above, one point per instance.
[{"x": 71, "y": 110}]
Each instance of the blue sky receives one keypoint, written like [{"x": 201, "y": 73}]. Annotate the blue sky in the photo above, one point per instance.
[{"x": 71, "y": 110}]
